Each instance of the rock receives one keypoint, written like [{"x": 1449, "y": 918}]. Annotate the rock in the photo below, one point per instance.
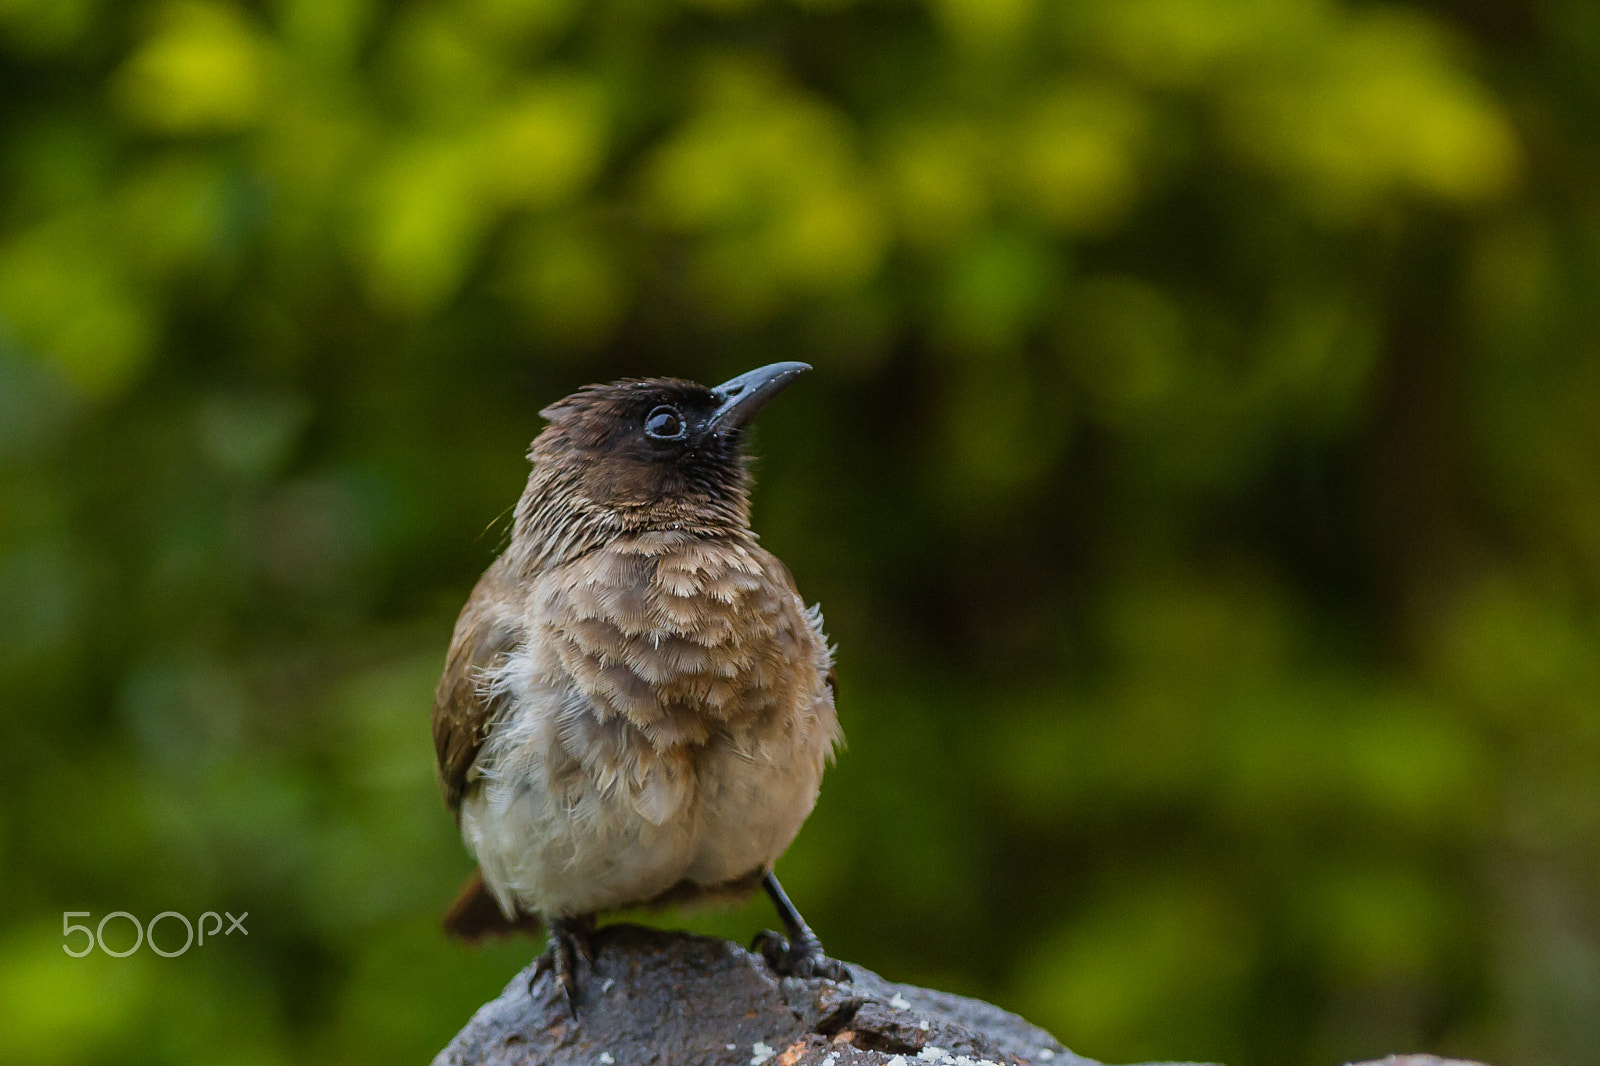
[
  {"x": 1416, "y": 1060},
  {"x": 675, "y": 999}
]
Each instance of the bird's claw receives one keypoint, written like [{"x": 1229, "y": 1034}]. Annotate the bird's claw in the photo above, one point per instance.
[
  {"x": 566, "y": 955},
  {"x": 803, "y": 958}
]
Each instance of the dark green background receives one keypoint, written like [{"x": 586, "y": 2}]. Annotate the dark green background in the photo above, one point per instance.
[{"x": 1200, "y": 474}]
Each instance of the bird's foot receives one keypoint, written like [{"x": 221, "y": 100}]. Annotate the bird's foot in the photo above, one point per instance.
[
  {"x": 802, "y": 957},
  {"x": 568, "y": 950}
]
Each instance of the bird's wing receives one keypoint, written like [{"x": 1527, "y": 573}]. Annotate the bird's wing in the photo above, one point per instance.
[{"x": 464, "y": 705}]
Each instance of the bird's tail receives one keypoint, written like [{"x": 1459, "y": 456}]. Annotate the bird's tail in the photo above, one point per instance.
[{"x": 475, "y": 916}]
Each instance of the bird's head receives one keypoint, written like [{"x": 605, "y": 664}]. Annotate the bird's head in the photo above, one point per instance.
[{"x": 656, "y": 453}]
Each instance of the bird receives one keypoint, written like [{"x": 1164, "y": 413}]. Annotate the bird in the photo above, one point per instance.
[{"x": 637, "y": 706}]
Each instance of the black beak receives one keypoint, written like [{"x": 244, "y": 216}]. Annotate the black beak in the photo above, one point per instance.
[{"x": 740, "y": 398}]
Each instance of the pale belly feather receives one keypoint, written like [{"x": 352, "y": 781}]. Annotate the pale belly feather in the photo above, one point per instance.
[
  {"x": 554, "y": 837},
  {"x": 670, "y": 724}
]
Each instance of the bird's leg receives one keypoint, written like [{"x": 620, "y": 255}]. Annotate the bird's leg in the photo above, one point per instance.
[
  {"x": 801, "y": 954},
  {"x": 568, "y": 946}
]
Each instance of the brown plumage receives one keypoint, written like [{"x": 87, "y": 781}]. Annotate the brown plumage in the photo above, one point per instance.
[{"x": 637, "y": 706}]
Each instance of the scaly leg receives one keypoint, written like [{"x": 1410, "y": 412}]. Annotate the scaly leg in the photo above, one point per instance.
[
  {"x": 567, "y": 948},
  {"x": 801, "y": 954}
]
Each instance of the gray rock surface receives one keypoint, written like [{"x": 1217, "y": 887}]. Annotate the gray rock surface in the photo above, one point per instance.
[
  {"x": 1416, "y": 1060},
  {"x": 674, "y": 999}
]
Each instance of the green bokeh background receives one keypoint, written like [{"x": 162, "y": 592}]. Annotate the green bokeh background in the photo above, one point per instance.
[{"x": 1200, "y": 474}]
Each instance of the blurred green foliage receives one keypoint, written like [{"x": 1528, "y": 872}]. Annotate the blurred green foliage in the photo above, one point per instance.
[{"x": 1201, "y": 476}]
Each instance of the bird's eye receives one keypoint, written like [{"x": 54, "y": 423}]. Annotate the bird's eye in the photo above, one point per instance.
[{"x": 664, "y": 423}]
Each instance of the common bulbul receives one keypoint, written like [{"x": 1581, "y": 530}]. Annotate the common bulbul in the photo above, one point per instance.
[{"x": 637, "y": 705}]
